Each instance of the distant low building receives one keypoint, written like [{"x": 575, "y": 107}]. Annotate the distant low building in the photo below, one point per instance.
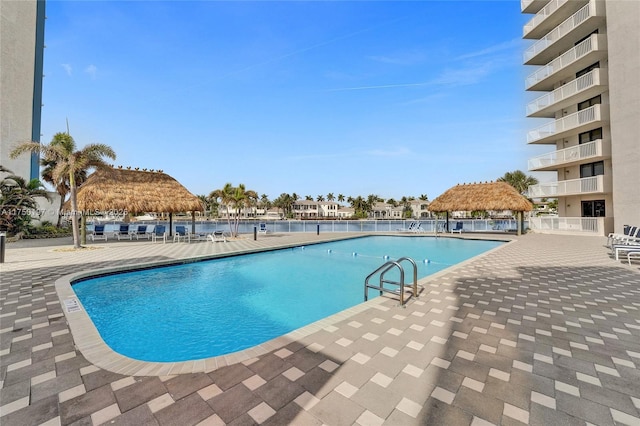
[
  {"x": 309, "y": 209},
  {"x": 420, "y": 209},
  {"x": 386, "y": 211}
]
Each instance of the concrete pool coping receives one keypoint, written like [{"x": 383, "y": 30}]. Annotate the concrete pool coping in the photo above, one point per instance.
[{"x": 89, "y": 342}]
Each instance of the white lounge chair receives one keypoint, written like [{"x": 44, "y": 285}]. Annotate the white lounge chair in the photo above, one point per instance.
[
  {"x": 418, "y": 228},
  {"x": 159, "y": 231},
  {"x": 618, "y": 249},
  {"x": 410, "y": 228},
  {"x": 631, "y": 254},
  {"x": 617, "y": 238},
  {"x": 181, "y": 234},
  {"x": 123, "y": 233},
  {"x": 217, "y": 236},
  {"x": 141, "y": 232},
  {"x": 98, "y": 233}
]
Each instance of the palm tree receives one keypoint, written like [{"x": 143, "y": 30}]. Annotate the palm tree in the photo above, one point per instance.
[
  {"x": 206, "y": 202},
  {"x": 320, "y": 198},
  {"x": 519, "y": 180},
  {"x": 360, "y": 206},
  {"x": 264, "y": 202},
  {"x": 330, "y": 197},
  {"x": 406, "y": 206},
  {"x": 237, "y": 198},
  {"x": 341, "y": 198},
  {"x": 68, "y": 163},
  {"x": 17, "y": 198},
  {"x": 283, "y": 202},
  {"x": 61, "y": 186}
]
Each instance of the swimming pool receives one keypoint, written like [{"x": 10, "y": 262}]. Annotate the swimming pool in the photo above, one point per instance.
[{"x": 215, "y": 307}]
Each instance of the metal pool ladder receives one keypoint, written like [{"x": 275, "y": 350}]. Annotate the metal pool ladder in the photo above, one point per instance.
[{"x": 399, "y": 285}]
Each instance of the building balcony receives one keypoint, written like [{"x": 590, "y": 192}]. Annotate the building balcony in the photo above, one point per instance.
[
  {"x": 532, "y": 6},
  {"x": 549, "y": 16},
  {"x": 562, "y": 37},
  {"x": 588, "y": 52},
  {"x": 584, "y": 87},
  {"x": 593, "y": 151},
  {"x": 563, "y": 188},
  {"x": 578, "y": 122}
]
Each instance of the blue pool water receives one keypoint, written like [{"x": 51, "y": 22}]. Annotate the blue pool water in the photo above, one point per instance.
[{"x": 215, "y": 307}]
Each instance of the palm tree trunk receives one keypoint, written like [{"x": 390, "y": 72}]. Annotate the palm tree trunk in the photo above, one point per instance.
[
  {"x": 229, "y": 221},
  {"x": 74, "y": 210},
  {"x": 60, "y": 210},
  {"x": 236, "y": 224}
]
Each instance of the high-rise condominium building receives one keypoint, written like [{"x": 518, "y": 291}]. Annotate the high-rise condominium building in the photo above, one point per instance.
[
  {"x": 21, "y": 56},
  {"x": 584, "y": 68}
]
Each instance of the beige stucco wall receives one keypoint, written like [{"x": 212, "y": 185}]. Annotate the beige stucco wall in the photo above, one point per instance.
[
  {"x": 623, "y": 22},
  {"x": 17, "y": 57}
]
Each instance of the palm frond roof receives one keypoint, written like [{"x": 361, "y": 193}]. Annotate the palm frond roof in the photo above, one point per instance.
[
  {"x": 136, "y": 191},
  {"x": 481, "y": 196}
]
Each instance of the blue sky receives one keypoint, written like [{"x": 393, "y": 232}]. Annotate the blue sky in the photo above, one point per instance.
[{"x": 355, "y": 98}]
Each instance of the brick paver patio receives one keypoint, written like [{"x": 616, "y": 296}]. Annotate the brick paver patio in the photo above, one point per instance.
[{"x": 543, "y": 331}]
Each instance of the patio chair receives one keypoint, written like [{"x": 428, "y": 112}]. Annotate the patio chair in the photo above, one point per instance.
[
  {"x": 123, "y": 233},
  {"x": 262, "y": 228},
  {"x": 458, "y": 228},
  {"x": 181, "y": 234},
  {"x": 142, "y": 232},
  {"x": 98, "y": 233},
  {"x": 217, "y": 236},
  {"x": 159, "y": 232}
]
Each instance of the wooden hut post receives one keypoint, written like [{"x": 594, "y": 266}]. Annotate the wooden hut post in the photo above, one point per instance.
[
  {"x": 519, "y": 220},
  {"x": 170, "y": 224},
  {"x": 193, "y": 222}
]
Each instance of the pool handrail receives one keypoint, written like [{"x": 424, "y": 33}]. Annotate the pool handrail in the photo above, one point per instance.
[{"x": 386, "y": 267}]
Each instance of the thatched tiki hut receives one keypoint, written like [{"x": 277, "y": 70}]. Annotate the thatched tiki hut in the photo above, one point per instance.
[
  {"x": 135, "y": 191},
  {"x": 482, "y": 196}
]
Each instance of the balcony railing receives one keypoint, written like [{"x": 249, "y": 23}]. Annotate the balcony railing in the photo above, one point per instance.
[
  {"x": 565, "y": 156},
  {"x": 574, "y": 87},
  {"x": 560, "y": 31},
  {"x": 531, "y": 6},
  {"x": 593, "y": 43},
  {"x": 565, "y": 124},
  {"x": 589, "y": 185},
  {"x": 544, "y": 13},
  {"x": 552, "y": 224}
]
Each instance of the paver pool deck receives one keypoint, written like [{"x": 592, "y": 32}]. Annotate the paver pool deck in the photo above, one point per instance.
[{"x": 544, "y": 331}]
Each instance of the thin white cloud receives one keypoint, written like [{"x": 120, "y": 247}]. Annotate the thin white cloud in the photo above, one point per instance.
[
  {"x": 67, "y": 68},
  {"x": 92, "y": 70},
  {"x": 398, "y": 152},
  {"x": 463, "y": 76},
  {"x": 507, "y": 45},
  {"x": 380, "y": 86},
  {"x": 402, "y": 58},
  {"x": 467, "y": 75}
]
